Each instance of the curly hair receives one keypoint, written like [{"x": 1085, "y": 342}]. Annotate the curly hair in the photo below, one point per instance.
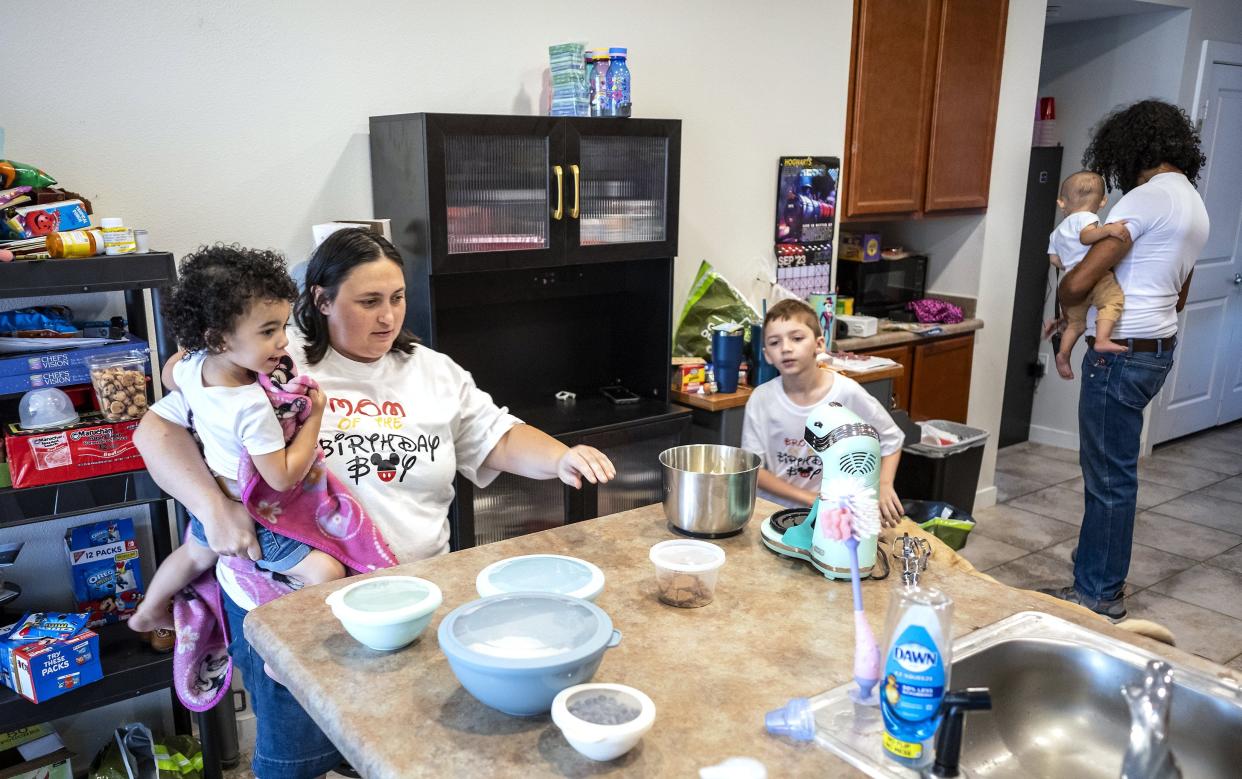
[
  {"x": 216, "y": 286},
  {"x": 1140, "y": 137}
]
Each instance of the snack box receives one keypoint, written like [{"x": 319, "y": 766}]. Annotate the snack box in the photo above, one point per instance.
[
  {"x": 92, "y": 447},
  {"x": 34, "y": 752},
  {"x": 859, "y": 247},
  {"x": 58, "y": 367},
  {"x": 44, "y": 219},
  {"x": 107, "y": 578},
  {"x": 42, "y": 668}
]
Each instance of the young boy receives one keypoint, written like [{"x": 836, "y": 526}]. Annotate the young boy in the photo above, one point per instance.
[
  {"x": 1081, "y": 196},
  {"x": 777, "y": 410}
]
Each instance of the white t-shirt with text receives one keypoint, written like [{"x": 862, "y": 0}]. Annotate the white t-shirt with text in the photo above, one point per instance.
[{"x": 774, "y": 427}]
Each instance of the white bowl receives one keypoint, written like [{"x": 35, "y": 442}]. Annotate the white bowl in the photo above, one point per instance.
[
  {"x": 386, "y": 612},
  {"x": 541, "y": 573},
  {"x": 602, "y": 741}
]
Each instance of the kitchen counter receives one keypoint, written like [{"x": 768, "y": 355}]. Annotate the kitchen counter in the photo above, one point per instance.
[
  {"x": 897, "y": 337},
  {"x": 776, "y": 630}
]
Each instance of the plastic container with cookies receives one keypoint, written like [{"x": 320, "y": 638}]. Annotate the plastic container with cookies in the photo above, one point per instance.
[
  {"x": 686, "y": 571},
  {"x": 120, "y": 382}
]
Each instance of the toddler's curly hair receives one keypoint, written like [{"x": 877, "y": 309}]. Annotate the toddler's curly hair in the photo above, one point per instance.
[{"x": 216, "y": 286}]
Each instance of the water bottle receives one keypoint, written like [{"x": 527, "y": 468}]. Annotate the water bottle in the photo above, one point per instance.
[
  {"x": 618, "y": 103},
  {"x": 597, "y": 80}
]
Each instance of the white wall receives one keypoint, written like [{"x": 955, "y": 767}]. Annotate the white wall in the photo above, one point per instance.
[
  {"x": 247, "y": 122},
  {"x": 996, "y": 260},
  {"x": 1090, "y": 68}
]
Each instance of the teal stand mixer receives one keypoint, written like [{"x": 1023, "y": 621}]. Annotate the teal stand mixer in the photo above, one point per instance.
[{"x": 849, "y": 449}]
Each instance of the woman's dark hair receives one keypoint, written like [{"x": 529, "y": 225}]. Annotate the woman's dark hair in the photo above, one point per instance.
[
  {"x": 1140, "y": 137},
  {"x": 329, "y": 266},
  {"x": 216, "y": 285}
]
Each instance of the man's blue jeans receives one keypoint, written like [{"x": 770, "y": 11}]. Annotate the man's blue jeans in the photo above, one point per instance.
[{"x": 1115, "y": 388}]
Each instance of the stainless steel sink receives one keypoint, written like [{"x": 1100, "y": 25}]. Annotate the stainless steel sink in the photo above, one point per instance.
[{"x": 1057, "y": 709}]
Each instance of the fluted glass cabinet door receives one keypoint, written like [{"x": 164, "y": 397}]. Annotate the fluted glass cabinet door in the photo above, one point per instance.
[
  {"x": 623, "y": 182},
  {"x": 496, "y": 193}
]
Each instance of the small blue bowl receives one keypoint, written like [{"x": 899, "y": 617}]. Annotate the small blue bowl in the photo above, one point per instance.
[{"x": 514, "y": 652}]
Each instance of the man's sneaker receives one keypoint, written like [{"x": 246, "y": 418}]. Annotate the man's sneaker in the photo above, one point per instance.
[{"x": 1114, "y": 610}]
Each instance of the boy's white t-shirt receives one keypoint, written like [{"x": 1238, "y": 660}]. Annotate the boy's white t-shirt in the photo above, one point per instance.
[
  {"x": 396, "y": 431},
  {"x": 1065, "y": 242},
  {"x": 774, "y": 428},
  {"x": 229, "y": 420},
  {"x": 1168, "y": 223}
]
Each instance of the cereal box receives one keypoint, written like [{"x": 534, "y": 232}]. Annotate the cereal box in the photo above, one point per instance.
[{"x": 107, "y": 579}]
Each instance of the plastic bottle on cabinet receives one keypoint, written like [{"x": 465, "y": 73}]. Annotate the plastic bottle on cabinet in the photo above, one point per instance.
[
  {"x": 118, "y": 239},
  {"x": 917, "y": 662},
  {"x": 73, "y": 244},
  {"x": 597, "y": 80},
  {"x": 618, "y": 84}
]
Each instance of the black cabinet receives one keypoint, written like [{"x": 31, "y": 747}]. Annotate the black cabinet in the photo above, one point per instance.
[
  {"x": 539, "y": 255},
  {"x": 469, "y": 193}
]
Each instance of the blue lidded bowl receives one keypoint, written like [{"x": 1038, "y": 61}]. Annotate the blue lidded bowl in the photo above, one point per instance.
[
  {"x": 514, "y": 652},
  {"x": 541, "y": 573}
]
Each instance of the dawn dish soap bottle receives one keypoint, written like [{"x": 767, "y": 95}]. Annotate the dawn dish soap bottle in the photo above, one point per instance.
[{"x": 917, "y": 661}]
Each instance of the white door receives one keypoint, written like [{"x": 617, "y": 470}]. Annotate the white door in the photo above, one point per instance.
[{"x": 1205, "y": 387}]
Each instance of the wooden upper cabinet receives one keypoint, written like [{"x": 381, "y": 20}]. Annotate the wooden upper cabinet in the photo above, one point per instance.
[
  {"x": 963, "y": 119},
  {"x": 890, "y": 104},
  {"x": 924, "y": 85}
]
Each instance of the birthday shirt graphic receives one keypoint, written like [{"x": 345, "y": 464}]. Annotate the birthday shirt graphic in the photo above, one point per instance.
[
  {"x": 798, "y": 463},
  {"x": 376, "y": 440}
]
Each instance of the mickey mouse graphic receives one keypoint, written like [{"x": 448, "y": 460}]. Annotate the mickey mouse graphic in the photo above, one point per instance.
[{"x": 386, "y": 468}]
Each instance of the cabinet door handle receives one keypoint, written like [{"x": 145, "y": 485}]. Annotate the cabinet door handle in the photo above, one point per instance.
[
  {"x": 560, "y": 192},
  {"x": 573, "y": 212}
]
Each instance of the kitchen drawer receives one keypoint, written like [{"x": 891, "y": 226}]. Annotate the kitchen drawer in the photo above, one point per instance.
[{"x": 904, "y": 356}]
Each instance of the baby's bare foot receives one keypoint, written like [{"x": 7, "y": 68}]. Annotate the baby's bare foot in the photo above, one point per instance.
[
  {"x": 1063, "y": 366},
  {"x": 150, "y": 616}
]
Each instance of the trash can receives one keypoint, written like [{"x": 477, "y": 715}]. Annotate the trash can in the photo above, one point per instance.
[
  {"x": 951, "y": 525},
  {"x": 949, "y": 474}
]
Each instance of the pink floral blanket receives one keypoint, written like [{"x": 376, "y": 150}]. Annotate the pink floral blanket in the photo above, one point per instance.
[{"x": 319, "y": 511}]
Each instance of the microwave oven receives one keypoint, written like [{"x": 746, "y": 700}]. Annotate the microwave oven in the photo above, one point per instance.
[{"x": 884, "y": 287}]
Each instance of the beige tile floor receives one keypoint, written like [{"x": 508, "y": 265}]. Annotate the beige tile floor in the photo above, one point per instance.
[{"x": 1186, "y": 566}]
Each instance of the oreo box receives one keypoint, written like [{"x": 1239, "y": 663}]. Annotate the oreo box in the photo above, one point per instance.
[
  {"x": 43, "y": 668},
  {"x": 107, "y": 580}
]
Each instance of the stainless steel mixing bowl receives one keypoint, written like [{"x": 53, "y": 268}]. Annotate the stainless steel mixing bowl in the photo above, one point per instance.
[{"x": 709, "y": 490}]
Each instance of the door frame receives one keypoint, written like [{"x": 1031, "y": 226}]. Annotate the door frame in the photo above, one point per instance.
[{"x": 1212, "y": 53}]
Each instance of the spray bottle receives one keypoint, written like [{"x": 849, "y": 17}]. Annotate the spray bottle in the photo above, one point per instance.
[{"x": 916, "y": 673}]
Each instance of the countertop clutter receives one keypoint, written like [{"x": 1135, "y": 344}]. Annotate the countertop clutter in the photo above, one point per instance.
[
  {"x": 897, "y": 337},
  {"x": 712, "y": 672}
]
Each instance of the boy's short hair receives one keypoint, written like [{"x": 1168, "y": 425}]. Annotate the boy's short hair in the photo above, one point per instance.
[
  {"x": 797, "y": 311},
  {"x": 1083, "y": 188}
]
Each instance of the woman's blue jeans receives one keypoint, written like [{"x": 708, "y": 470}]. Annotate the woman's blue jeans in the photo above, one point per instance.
[{"x": 1115, "y": 388}]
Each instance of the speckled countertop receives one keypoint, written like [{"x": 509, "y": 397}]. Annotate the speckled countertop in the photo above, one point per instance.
[
  {"x": 776, "y": 630},
  {"x": 896, "y": 337}
]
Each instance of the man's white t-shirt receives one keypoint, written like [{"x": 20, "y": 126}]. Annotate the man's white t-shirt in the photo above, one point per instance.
[
  {"x": 396, "y": 431},
  {"x": 229, "y": 420},
  {"x": 1065, "y": 241},
  {"x": 775, "y": 425},
  {"x": 1168, "y": 223}
]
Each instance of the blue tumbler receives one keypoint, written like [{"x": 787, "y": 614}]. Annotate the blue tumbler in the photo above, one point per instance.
[
  {"x": 765, "y": 371},
  {"x": 726, "y": 358}
]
